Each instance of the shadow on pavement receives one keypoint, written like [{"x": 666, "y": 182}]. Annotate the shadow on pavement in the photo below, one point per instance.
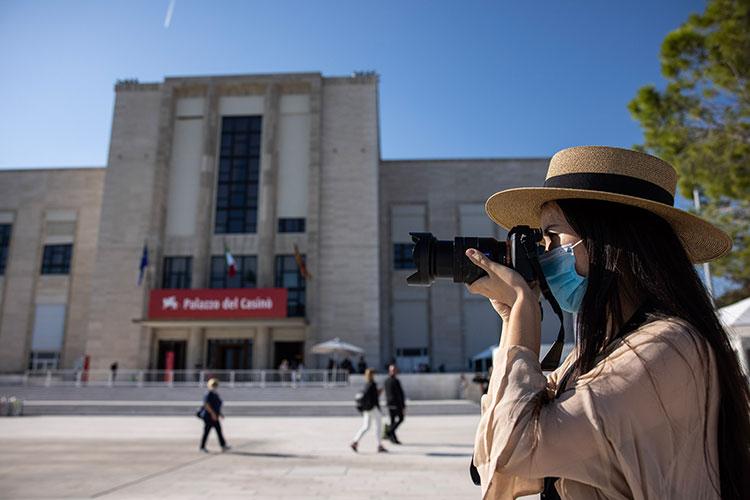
[{"x": 268, "y": 455}]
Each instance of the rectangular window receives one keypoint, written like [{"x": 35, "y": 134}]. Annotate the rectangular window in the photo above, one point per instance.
[
  {"x": 288, "y": 276},
  {"x": 4, "y": 246},
  {"x": 287, "y": 225},
  {"x": 411, "y": 352},
  {"x": 56, "y": 259},
  {"x": 177, "y": 272},
  {"x": 41, "y": 360},
  {"x": 247, "y": 266},
  {"x": 239, "y": 170},
  {"x": 402, "y": 256}
]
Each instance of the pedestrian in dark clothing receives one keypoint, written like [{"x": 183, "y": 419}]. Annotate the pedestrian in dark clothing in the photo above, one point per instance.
[
  {"x": 347, "y": 365},
  {"x": 370, "y": 411},
  {"x": 113, "y": 370},
  {"x": 361, "y": 365},
  {"x": 394, "y": 396},
  {"x": 211, "y": 413}
]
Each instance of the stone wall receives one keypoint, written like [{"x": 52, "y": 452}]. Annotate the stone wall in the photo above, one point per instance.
[
  {"x": 29, "y": 195},
  {"x": 348, "y": 276}
]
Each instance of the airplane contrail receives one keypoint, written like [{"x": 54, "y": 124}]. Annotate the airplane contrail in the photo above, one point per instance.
[{"x": 170, "y": 11}]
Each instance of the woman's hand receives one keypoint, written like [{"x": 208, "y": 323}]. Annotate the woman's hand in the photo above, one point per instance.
[
  {"x": 513, "y": 299},
  {"x": 502, "y": 285}
]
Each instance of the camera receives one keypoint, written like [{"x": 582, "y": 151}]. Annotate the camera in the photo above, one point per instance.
[{"x": 447, "y": 259}]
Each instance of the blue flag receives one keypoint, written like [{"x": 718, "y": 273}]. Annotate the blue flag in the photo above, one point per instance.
[{"x": 144, "y": 264}]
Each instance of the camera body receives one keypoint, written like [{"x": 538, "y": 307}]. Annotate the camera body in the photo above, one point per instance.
[{"x": 447, "y": 259}]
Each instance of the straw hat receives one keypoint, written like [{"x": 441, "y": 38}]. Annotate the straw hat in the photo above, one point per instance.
[{"x": 617, "y": 175}]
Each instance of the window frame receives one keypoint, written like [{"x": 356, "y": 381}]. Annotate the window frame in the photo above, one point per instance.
[
  {"x": 183, "y": 277},
  {"x": 6, "y": 233},
  {"x": 291, "y": 225},
  {"x": 56, "y": 258},
  {"x": 217, "y": 275},
  {"x": 238, "y": 177},
  {"x": 284, "y": 265},
  {"x": 402, "y": 256}
]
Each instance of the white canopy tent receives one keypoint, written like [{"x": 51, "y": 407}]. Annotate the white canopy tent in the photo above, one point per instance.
[
  {"x": 336, "y": 347},
  {"x": 736, "y": 319}
]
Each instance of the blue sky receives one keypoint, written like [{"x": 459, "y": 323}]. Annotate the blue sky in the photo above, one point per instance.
[{"x": 459, "y": 79}]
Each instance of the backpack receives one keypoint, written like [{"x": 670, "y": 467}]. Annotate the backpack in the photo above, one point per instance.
[{"x": 359, "y": 401}]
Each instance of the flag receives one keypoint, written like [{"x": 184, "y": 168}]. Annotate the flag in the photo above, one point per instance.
[
  {"x": 301, "y": 264},
  {"x": 231, "y": 264},
  {"x": 144, "y": 264}
]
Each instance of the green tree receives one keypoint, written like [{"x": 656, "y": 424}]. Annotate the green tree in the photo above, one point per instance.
[{"x": 700, "y": 123}]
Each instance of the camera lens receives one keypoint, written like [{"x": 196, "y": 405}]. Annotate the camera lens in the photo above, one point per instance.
[{"x": 447, "y": 259}]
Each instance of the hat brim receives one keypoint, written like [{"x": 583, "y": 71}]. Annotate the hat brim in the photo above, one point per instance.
[{"x": 522, "y": 206}]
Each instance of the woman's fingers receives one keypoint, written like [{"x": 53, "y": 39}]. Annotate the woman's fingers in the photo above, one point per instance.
[{"x": 479, "y": 259}]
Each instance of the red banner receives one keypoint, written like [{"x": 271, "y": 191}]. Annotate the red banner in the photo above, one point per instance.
[{"x": 224, "y": 303}]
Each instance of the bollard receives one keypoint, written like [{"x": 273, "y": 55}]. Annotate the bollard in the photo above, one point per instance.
[
  {"x": 231, "y": 379},
  {"x": 79, "y": 376},
  {"x": 263, "y": 378},
  {"x": 48, "y": 379}
]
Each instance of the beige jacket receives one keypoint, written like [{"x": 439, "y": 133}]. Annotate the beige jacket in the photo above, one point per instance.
[{"x": 641, "y": 425}]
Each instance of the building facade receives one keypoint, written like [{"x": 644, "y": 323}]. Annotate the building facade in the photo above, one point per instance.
[{"x": 284, "y": 173}]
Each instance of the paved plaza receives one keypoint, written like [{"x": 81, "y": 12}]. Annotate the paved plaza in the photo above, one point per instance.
[{"x": 272, "y": 458}]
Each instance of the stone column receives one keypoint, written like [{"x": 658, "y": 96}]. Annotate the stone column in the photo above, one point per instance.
[
  {"x": 204, "y": 222},
  {"x": 194, "y": 348},
  {"x": 268, "y": 182},
  {"x": 262, "y": 348}
]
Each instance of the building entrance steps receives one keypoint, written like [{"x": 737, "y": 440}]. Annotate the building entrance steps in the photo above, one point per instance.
[{"x": 312, "y": 401}]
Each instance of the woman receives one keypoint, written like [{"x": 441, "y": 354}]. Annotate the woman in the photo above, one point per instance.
[
  {"x": 211, "y": 413},
  {"x": 370, "y": 411},
  {"x": 652, "y": 402}
]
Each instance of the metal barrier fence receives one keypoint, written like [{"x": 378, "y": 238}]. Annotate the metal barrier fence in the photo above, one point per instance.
[{"x": 184, "y": 378}]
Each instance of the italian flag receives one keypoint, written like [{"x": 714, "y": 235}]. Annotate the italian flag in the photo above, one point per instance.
[{"x": 231, "y": 264}]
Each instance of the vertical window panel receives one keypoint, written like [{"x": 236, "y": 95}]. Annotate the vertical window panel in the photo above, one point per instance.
[
  {"x": 239, "y": 163},
  {"x": 288, "y": 276},
  {"x": 4, "y": 246},
  {"x": 177, "y": 272}
]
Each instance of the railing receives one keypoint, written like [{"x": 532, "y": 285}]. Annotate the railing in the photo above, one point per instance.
[{"x": 183, "y": 378}]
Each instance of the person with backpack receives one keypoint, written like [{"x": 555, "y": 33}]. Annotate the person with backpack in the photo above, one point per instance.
[
  {"x": 210, "y": 412},
  {"x": 368, "y": 403}
]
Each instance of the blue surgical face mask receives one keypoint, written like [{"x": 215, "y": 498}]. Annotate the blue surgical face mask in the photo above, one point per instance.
[{"x": 559, "y": 268}]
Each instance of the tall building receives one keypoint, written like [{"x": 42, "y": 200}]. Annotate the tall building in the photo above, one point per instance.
[{"x": 270, "y": 224}]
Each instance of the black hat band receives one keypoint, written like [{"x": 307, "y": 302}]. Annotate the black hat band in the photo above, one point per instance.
[{"x": 612, "y": 183}]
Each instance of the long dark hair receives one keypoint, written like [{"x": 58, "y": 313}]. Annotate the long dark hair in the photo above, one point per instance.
[{"x": 636, "y": 254}]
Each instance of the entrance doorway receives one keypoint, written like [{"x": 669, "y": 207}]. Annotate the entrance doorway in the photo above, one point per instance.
[
  {"x": 177, "y": 348},
  {"x": 293, "y": 352},
  {"x": 171, "y": 352},
  {"x": 230, "y": 354}
]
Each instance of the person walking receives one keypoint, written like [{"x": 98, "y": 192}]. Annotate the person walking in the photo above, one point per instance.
[
  {"x": 394, "y": 396},
  {"x": 211, "y": 413},
  {"x": 370, "y": 411},
  {"x": 361, "y": 365}
]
